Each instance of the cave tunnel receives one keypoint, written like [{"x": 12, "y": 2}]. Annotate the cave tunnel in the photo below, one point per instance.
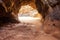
[
  {"x": 29, "y": 19},
  {"x": 11, "y": 10}
]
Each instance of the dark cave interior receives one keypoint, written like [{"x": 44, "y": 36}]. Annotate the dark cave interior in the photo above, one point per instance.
[{"x": 49, "y": 10}]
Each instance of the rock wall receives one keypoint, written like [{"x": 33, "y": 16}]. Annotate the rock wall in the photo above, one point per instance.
[
  {"x": 50, "y": 10},
  {"x": 52, "y": 20}
]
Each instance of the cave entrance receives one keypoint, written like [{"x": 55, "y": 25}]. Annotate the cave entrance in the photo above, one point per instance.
[{"x": 27, "y": 14}]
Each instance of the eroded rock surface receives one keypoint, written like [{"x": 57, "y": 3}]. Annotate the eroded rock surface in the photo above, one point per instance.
[
  {"x": 52, "y": 22},
  {"x": 50, "y": 30}
]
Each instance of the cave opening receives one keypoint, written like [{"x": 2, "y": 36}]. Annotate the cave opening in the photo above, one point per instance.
[{"x": 28, "y": 14}]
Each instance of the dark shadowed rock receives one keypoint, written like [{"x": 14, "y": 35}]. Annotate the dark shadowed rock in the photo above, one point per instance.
[
  {"x": 11, "y": 30},
  {"x": 52, "y": 22}
]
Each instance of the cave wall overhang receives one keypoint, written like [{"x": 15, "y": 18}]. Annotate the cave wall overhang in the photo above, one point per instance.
[{"x": 12, "y": 6}]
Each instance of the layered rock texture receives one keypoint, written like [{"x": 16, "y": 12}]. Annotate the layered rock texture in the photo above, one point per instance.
[{"x": 47, "y": 29}]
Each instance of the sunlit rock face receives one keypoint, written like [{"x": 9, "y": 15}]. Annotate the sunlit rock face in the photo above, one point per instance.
[{"x": 28, "y": 14}]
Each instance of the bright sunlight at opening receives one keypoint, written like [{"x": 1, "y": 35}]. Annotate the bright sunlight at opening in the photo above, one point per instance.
[{"x": 27, "y": 14}]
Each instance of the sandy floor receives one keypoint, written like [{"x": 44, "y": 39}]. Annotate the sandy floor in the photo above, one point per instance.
[{"x": 22, "y": 31}]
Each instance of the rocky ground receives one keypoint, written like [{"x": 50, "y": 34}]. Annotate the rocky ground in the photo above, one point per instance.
[
  {"x": 23, "y": 31},
  {"x": 49, "y": 30}
]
